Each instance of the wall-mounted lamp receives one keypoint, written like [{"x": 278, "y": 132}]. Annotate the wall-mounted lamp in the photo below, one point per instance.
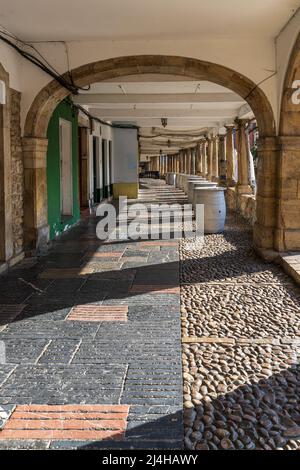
[{"x": 164, "y": 122}]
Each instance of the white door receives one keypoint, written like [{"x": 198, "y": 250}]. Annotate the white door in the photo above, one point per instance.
[{"x": 66, "y": 173}]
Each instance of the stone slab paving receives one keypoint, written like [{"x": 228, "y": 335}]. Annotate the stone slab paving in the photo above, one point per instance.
[
  {"x": 241, "y": 344},
  {"x": 83, "y": 329}
]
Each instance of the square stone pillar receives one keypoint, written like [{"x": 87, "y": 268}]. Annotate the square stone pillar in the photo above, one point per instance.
[
  {"x": 287, "y": 233},
  {"x": 243, "y": 186},
  {"x": 229, "y": 150},
  {"x": 36, "y": 228},
  {"x": 264, "y": 227}
]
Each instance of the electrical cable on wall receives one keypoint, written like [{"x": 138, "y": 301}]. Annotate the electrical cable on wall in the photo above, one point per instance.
[
  {"x": 100, "y": 121},
  {"x": 44, "y": 65}
]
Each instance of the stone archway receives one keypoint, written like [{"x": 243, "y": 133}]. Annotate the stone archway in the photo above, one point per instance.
[
  {"x": 35, "y": 142},
  {"x": 6, "y": 243},
  {"x": 287, "y": 236}
]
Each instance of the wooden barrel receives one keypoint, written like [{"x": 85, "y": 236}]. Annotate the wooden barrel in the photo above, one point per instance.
[
  {"x": 180, "y": 179},
  {"x": 214, "y": 208},
  {"x": 198, "y": 184},
  {"x": 170, "y": 178}
]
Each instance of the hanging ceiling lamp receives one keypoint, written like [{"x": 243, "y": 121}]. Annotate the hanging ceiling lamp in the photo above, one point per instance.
[{"x": 164, "y": 122}]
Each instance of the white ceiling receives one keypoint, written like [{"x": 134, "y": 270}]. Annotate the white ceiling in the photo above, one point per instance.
[
  {"x": 43, "y": 20},
  {"x": 188, "y": 105}
]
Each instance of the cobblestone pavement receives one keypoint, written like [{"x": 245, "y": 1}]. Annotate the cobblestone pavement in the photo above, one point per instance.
[
  {"x": 241, "y": 340},
  {"x": 90, "y": 350}
]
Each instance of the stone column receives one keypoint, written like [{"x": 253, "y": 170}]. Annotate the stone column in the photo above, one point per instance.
[
  {"x": 189, "y": 161},
  {"x": 215, "y": 159},
  {"x": 243, "y": 186},
  {"x": 198, "y": 160},
  {"x": 157, "y": 163},
  {"x": 203, "y": 150},
  {"x": 36, "y": 228},
  {"x": 209, "y": 159},
  {"x": 222, "y": 160},
  {"x": 185, "y": 162},
  {"x": 192, "y": 160},
  {"x": 181, "y": 170},
  {"x": 230, "y": 170}
]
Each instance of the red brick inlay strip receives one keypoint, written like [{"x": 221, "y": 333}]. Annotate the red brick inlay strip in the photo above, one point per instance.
[
  {"x": 155, "y": 289},
  {"x": 98, "y": 313},
  {"x": 65, "y": 422}
]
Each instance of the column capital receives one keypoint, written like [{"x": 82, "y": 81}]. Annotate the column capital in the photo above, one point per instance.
[{"x": 242, "y": 123}]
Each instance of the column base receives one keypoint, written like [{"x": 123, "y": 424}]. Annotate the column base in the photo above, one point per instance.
[
  {"x": 244, "y": 189},
  {"x": 36, "y": 240},
  {"x": 287, "y": 240},
  {"x": 263, "y": 237}
]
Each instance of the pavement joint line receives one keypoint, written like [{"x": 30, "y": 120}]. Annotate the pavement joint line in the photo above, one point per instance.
[
  {"x": 240, "y": 341},
  {"x": 8, "y": 376},
  {"x": 43, "y": 351},
  {"x": 75, "y": 351},
  {"x": 81, "y": 286},
  {"x": 123, "y": 384},
  {"x": 97, "y": 330}
]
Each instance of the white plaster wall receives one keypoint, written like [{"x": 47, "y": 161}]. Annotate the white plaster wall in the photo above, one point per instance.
[
  {"x": 11, "y": 62},
  {"x": 284, "y": 46},
  {"x": 125, "y": 155}
]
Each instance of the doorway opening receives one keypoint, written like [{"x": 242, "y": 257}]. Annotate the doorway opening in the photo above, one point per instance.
[
  {"x": 66, "y": 173},
  {"x": 83, "y": 155}
]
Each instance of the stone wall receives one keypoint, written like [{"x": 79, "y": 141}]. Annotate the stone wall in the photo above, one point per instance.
[
  {"x": 17, "y": 173},
  {"x": 243, "y": 204}
]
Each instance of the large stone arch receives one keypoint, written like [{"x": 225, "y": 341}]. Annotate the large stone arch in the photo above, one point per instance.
[
  {"x": 35, "y": 142},
  {"x": 287, "y": 235}
]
